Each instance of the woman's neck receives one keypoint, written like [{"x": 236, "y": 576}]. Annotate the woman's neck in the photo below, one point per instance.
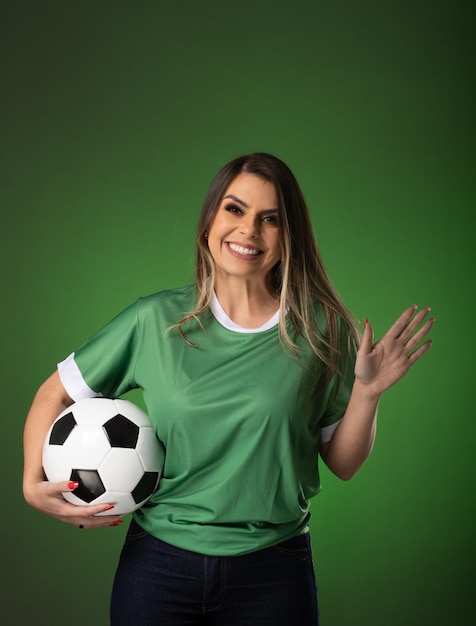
[{"x": 246, "y": 303}]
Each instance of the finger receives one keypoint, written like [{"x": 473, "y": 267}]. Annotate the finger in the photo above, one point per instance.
[
  {"x": 414, "y": 323},
  {"x": 414, "y": 356},
  {"x": 67, "y": 485},
  {"x": 93, "y": 511},
  {"x": 113, "y": 524},
  {"x": 94, "y": 516},
  {"x": 90, "y": 523},
  {"x": 97, "y": 522},
  {"x": 402, "y": 322},
  {"x": 367, "y": 338},
  {"x": 56, "y": 491},
  {"x": 420, "y": 334}
]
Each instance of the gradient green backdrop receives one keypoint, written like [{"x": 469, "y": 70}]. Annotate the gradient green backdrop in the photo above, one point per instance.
[{"x": 115, "y": 117}]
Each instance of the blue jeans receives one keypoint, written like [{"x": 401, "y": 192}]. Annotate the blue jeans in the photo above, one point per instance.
[{"x": 158, "y": 584}]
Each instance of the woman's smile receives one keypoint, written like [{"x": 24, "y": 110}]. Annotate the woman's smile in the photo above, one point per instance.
[{"x": 248, "y": 253}]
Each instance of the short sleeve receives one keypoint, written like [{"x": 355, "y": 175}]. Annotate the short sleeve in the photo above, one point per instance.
[
  {"x": 340, "y": 389},
  {"x": 73, "y": 381},
  {"x": 104, "y": 365}
]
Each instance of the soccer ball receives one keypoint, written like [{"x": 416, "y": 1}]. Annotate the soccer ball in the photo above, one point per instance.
[{"x": 109, "y": 447}]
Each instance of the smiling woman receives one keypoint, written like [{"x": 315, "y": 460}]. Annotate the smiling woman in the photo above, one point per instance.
[{"x": 261, "y": 374}]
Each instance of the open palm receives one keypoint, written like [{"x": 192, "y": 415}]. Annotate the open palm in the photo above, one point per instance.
[{"x": 382, "y": 364}]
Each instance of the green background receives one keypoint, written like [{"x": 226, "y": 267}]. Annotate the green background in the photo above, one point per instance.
[{"x": 114, "y": 118}]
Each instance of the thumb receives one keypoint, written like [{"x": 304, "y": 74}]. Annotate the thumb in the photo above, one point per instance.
[
  {"x": 65, "y": 486},
  {"x": 367, "y": 338}
]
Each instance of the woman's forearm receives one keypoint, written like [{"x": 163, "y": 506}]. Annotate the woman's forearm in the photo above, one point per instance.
[
  {"x": 353, "y": 440},
  {"x": 49, "y": 401}
]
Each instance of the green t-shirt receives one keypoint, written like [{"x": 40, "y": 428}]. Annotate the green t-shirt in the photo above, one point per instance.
[{"x": 237, "y": 416}]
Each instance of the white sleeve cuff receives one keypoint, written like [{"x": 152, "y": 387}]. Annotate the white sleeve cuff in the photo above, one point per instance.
[
  {"x": 328, "y": 431},
  {"x": 73, "y": 381}
]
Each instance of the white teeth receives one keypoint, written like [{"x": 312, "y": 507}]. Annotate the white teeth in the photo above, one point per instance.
[{"x": 242, "y": 250}]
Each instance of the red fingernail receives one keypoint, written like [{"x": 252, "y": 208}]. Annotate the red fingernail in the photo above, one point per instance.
[
  {"x": 109, "y": 507},
  {"x": 73, "y": 485},
  {"x": 366, "y": 321},
  {"x": 117, "y": 522}
]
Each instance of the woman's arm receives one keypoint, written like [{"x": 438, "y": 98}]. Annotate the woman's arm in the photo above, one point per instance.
[
  {"x": 50, "y": 400},
  {"x": 378, "y": 367}
]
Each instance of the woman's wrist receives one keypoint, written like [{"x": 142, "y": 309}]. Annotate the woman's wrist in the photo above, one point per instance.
[{"x": 365, "y": 392}]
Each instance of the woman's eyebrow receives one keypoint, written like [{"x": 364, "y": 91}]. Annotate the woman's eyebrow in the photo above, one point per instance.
[{"x": 236, "y": 199}]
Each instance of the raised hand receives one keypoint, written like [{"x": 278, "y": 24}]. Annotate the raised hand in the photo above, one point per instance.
[{"x": 382, "y": 364}]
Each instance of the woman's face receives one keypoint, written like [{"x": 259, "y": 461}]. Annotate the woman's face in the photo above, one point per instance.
[{"x": 244, "y": 236}]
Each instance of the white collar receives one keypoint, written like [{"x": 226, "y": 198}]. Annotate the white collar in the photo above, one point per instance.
[{"x": 228, "y": 323}]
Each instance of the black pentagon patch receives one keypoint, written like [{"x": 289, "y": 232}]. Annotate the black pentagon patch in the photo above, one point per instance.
[
  {"x": 62, "y": 429},
  {"x": 121, "y": 432},
  {"x": 90, "y": 484},
  {"x": 145, "y": 487}
]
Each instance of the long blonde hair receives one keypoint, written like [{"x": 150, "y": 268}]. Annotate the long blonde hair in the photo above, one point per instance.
[{"x": 299, "y": 279}]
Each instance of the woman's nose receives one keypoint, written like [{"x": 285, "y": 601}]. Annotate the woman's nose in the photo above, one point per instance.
[{"x": 250, "y": 226}]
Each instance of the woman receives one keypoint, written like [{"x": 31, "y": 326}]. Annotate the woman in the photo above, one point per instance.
[{"x": 247, "y": 375}]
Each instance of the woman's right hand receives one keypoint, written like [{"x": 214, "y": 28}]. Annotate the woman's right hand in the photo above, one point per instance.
[{"x": 47, "y": 497}]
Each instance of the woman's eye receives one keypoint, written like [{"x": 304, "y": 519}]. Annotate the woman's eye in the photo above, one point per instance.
[
  {"x": 233, "y": 208},
  {"x": 271, "y": 219}
]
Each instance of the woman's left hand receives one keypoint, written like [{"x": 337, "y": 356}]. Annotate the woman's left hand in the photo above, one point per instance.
[{"x": 382, "y": 364}]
